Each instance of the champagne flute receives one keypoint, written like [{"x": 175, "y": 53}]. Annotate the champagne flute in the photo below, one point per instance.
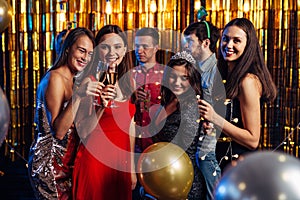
[
  {"x": 101, "y": 71},
  {"x": 112, "y": 76}
]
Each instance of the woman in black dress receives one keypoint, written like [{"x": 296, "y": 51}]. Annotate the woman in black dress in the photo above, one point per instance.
[{"x": 177, "y": 119}]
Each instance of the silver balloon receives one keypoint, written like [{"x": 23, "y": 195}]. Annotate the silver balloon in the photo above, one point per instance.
[
  {"x": 6, "y": 13},
  {"x": 4, "y": 117},
  {"x": 260, "y": 176}
]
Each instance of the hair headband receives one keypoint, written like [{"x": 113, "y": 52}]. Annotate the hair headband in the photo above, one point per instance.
[{"x": 208, "y": 30}]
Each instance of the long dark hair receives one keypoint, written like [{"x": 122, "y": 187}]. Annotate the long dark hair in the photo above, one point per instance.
[
  {"x": 194, "y": 80},
  {"x": 251, "y": 61},
  {"x": 125, "y": 82}
]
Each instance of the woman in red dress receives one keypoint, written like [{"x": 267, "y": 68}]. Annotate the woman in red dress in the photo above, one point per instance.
[{"x": 104, "y": 165}]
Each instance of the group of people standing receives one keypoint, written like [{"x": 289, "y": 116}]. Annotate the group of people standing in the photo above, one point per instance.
[{"x": 87, "y": 151}]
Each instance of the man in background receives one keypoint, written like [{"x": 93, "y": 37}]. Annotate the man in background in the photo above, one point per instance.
[
  {"x": 148, "y": 76},
  {"x": 201, "y": 41}
]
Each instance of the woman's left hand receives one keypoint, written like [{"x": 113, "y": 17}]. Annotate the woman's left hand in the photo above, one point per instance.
[
  {"x": 108, "y": 93},
  {"x": 89, "y": 88},
  {"x": 133, "y": 180}
]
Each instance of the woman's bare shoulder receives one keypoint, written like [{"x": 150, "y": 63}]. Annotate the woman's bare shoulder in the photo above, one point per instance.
[{"x": 251, "y": 82}]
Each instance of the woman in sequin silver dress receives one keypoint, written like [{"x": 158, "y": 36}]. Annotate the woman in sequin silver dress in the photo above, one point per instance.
[{"x": 55, "y": 143}]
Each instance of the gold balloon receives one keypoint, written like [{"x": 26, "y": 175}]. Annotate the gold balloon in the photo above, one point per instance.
[
  {"x": 5, "y": 15},
  {"x": 165, "y": 171}
]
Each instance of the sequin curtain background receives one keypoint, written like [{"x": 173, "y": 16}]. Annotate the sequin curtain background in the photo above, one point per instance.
[{"x": 27, "y": 51}]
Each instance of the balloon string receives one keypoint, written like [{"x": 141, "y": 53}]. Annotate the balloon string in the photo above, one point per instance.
[{"x": 282, "y": 143}]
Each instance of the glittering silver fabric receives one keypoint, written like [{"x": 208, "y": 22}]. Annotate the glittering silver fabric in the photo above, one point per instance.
[{"x": 51, "y": 160}]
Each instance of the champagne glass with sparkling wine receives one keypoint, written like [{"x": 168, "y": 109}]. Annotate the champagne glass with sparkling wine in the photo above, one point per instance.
[
  {"x": 101, "y": 71},
  {"x": 112, "y": 76}
]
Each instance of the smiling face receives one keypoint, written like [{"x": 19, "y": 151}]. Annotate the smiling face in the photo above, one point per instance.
[
  {"x": 80, "y": 53},
  {"x": 112, "y": 48},
  {"x": 233, "y": 43},
  {"x": 179, "y": 80}
]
